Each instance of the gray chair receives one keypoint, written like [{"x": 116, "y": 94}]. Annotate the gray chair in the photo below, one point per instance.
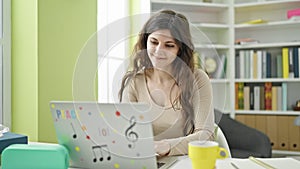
[{"x": 243, "y": 140}]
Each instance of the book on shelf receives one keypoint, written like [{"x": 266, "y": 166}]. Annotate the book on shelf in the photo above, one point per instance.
[
  {"x": 257, "y": 64},
  {"x": 268, "y": 65},
  {"x": 285, "y": 62},
  {"x": 256, "y": 21},
  {"x": 279, "y": 97},
  {"x": 293, "y": 13},
  {"x": 296, "y": 56},
  {"x": 291, "y": 63},
  {"x": 236, "y": 90},
  {"x": 246, "y": 93},
  {"x": 237, "y": 66},
  {"x": 264, "y": 64},
  {"x": 241, "y": 95},
  {"x": 284, "y": 96},
  {"x": 279, "y": 65},
  {"x": 261, "y": 96},
  {"x": 257, "y": 98},
  {"x": 274, "y": 98},
  {"x": 246, "y": 41},
  {"x": 268, "y": 96}
]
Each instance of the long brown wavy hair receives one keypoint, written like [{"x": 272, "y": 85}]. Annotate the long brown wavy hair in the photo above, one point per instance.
[{"x": 183, "y": 65}]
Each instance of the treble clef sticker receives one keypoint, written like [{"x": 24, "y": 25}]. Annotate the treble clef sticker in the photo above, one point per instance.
[{"x": 130, "y": 134}]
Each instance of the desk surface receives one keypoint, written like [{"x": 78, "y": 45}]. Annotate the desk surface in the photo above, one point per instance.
[{"x": 278, "y": 163}]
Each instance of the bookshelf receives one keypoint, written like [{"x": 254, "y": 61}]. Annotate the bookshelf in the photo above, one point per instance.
[
  {"x": 220, "y": 23},
  {"x": 273, "y": 35}
]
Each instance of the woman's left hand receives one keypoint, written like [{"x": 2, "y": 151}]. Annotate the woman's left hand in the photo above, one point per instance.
[{"x": 162, "y": 147}]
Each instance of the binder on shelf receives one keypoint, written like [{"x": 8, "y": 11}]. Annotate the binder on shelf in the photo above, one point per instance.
[
  {"x": 250, "y": 120},
  {"x": 261, "y": 123},
  {"x": 294, "y": 134},
  {"x": 283, "y": 133},
  {"x": 272, "y": 130},
  {"x": 240, "y": 117}
]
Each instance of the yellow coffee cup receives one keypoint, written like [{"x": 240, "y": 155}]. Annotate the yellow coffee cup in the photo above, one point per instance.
[{"x": 204, "y": 154}]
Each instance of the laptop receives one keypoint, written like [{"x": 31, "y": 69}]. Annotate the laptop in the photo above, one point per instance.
[{"x": 106, "y": 135}]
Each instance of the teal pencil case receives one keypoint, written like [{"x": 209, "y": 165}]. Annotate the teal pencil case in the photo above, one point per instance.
[{"x": 35, "y": 156}]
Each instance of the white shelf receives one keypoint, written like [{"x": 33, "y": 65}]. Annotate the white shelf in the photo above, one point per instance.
[
  {"x": 210, "y": 25},
  {"x": 266, "y": 4},
  {"x": 268, "y": 25},
  {"x": 267, "y": 80},
  {"x": 215, "y": 81},
  {"x": 267, "y": 45},
  {"x": 212, "y": 7},
  {"x": 267, "y": 112},
  {"x": 211, "y": 46}
]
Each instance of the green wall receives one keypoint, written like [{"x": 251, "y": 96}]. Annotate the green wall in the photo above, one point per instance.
[{"x": 47, "y": 38}]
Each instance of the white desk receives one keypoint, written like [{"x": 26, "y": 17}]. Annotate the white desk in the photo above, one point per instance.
[{"x": 278, "y": 163}]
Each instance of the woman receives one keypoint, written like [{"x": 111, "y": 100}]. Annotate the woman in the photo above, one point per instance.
[{"x": 164, "y": 76}]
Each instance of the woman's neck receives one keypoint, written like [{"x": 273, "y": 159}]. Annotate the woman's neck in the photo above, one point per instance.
[{"x": 161, "y": 76}]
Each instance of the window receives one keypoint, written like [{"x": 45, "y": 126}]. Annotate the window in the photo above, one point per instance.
[
  {"x": 111, "y": 47},
  {"x": 114, "y": 40},
  {"x": 5, "y": 62}
]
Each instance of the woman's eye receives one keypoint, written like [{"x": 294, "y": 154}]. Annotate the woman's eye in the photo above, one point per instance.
[
  {"x": 154, "y": 42},
  {"x": 170, "y": 46}
]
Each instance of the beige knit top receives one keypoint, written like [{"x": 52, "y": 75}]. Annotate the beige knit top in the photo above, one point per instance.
[{"x": 168, "y": 123}]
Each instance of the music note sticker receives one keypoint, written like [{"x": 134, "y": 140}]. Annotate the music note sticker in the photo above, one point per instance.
[
  {"x": 130, "y": 134},
  {"x": 101, "y": 148},
  {"x": 74, "y": 135}
]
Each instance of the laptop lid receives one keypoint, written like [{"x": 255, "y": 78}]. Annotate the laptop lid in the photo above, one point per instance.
[{"x": 106, "y": 135}]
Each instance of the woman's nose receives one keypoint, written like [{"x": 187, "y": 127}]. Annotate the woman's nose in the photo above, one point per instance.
[{"x": 159, "y": 48}]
